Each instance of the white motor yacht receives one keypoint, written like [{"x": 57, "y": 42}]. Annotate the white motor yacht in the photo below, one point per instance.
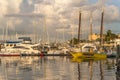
[{"x": 19, "y": 49}]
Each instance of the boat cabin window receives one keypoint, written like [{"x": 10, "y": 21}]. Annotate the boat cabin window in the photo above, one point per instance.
[
  {"x": 14, "y": 44},
  {"x": 11, "y": 44},
  {"x": 89, "y": 48}
]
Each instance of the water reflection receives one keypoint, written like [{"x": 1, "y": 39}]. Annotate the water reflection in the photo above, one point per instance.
[
  {"x": 93, "y": 69},
  {"x": 78, "y": 71},
  {"x": 101, "y": 71},
  {"x": 56, "y": 68},
  {"x": 118, "y": 69}
]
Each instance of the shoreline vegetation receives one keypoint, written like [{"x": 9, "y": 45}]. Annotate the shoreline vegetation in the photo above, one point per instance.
[{"x": 108, "y": 37}]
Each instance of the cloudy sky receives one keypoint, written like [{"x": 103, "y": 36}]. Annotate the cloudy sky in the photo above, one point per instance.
[{"x": 58, "y": 18}]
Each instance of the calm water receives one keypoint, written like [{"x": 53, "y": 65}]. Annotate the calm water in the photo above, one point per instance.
[{"x": 55, "y": 68}]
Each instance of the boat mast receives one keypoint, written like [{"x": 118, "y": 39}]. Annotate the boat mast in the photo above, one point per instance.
[
  {"x": 91, "y": 26},
  {"x": 101, "y": 29},
  {"x": 6, "y": 32},
  {"x": 34, "y": 34},
  {"x": 72, "y": 35},
  {"x": 45, "y": 33},
  {"x": 63, "y": 35},
  {"x": 3, "y": 37},
  {"x": 79, "y": 27}
]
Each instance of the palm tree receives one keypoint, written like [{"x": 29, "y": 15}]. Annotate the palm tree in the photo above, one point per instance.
[
  {"x": 74, "y": 41},
  {"x": 110, "y": 36}
]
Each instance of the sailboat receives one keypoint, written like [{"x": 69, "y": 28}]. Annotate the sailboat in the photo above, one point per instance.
[{"x": 88, "y": 50}]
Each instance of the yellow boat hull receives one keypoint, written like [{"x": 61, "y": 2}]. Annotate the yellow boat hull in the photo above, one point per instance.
[{"x": 87, "y": 55}]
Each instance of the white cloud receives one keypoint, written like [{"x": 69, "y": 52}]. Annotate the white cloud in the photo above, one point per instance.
[
  {"x": 6, "y": 7},
  {"x": 62, "y": 13},
  {"x": 3, "y": 8},
  {"x": 13, "y": 5},
  {"x": 61, "y": 2},
  {"x": 112, "y": 13}
]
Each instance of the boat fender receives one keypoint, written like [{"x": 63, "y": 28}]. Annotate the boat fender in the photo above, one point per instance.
[{"x": 41, "y": 54}]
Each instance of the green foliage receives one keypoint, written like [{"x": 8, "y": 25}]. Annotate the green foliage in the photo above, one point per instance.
[
  {"x": 98, "y": 39},
  {"x": 110, "y": 36},
  {"x": 74, "y": 41}
]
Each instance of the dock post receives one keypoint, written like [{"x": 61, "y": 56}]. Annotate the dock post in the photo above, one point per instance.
[
  {"x": 118, "y": 52},
  {"x": 118, "y": 63},
  {"x": 0, "y": 47}
]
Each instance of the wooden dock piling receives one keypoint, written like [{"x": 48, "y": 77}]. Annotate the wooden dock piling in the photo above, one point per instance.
[
  {"x": 118, "y": 63},
  {"x": 118, "y": 51}
]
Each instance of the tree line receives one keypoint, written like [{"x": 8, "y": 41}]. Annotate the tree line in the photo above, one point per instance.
[{"x": 108, "y": 36}]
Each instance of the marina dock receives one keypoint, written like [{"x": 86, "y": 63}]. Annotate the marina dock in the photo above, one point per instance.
[
  {"x": 42, "y": 55},
  {"x": 45, "y": 54}
]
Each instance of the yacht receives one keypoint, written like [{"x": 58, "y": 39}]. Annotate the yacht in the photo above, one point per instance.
[{"x": 20, "y": 48}]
